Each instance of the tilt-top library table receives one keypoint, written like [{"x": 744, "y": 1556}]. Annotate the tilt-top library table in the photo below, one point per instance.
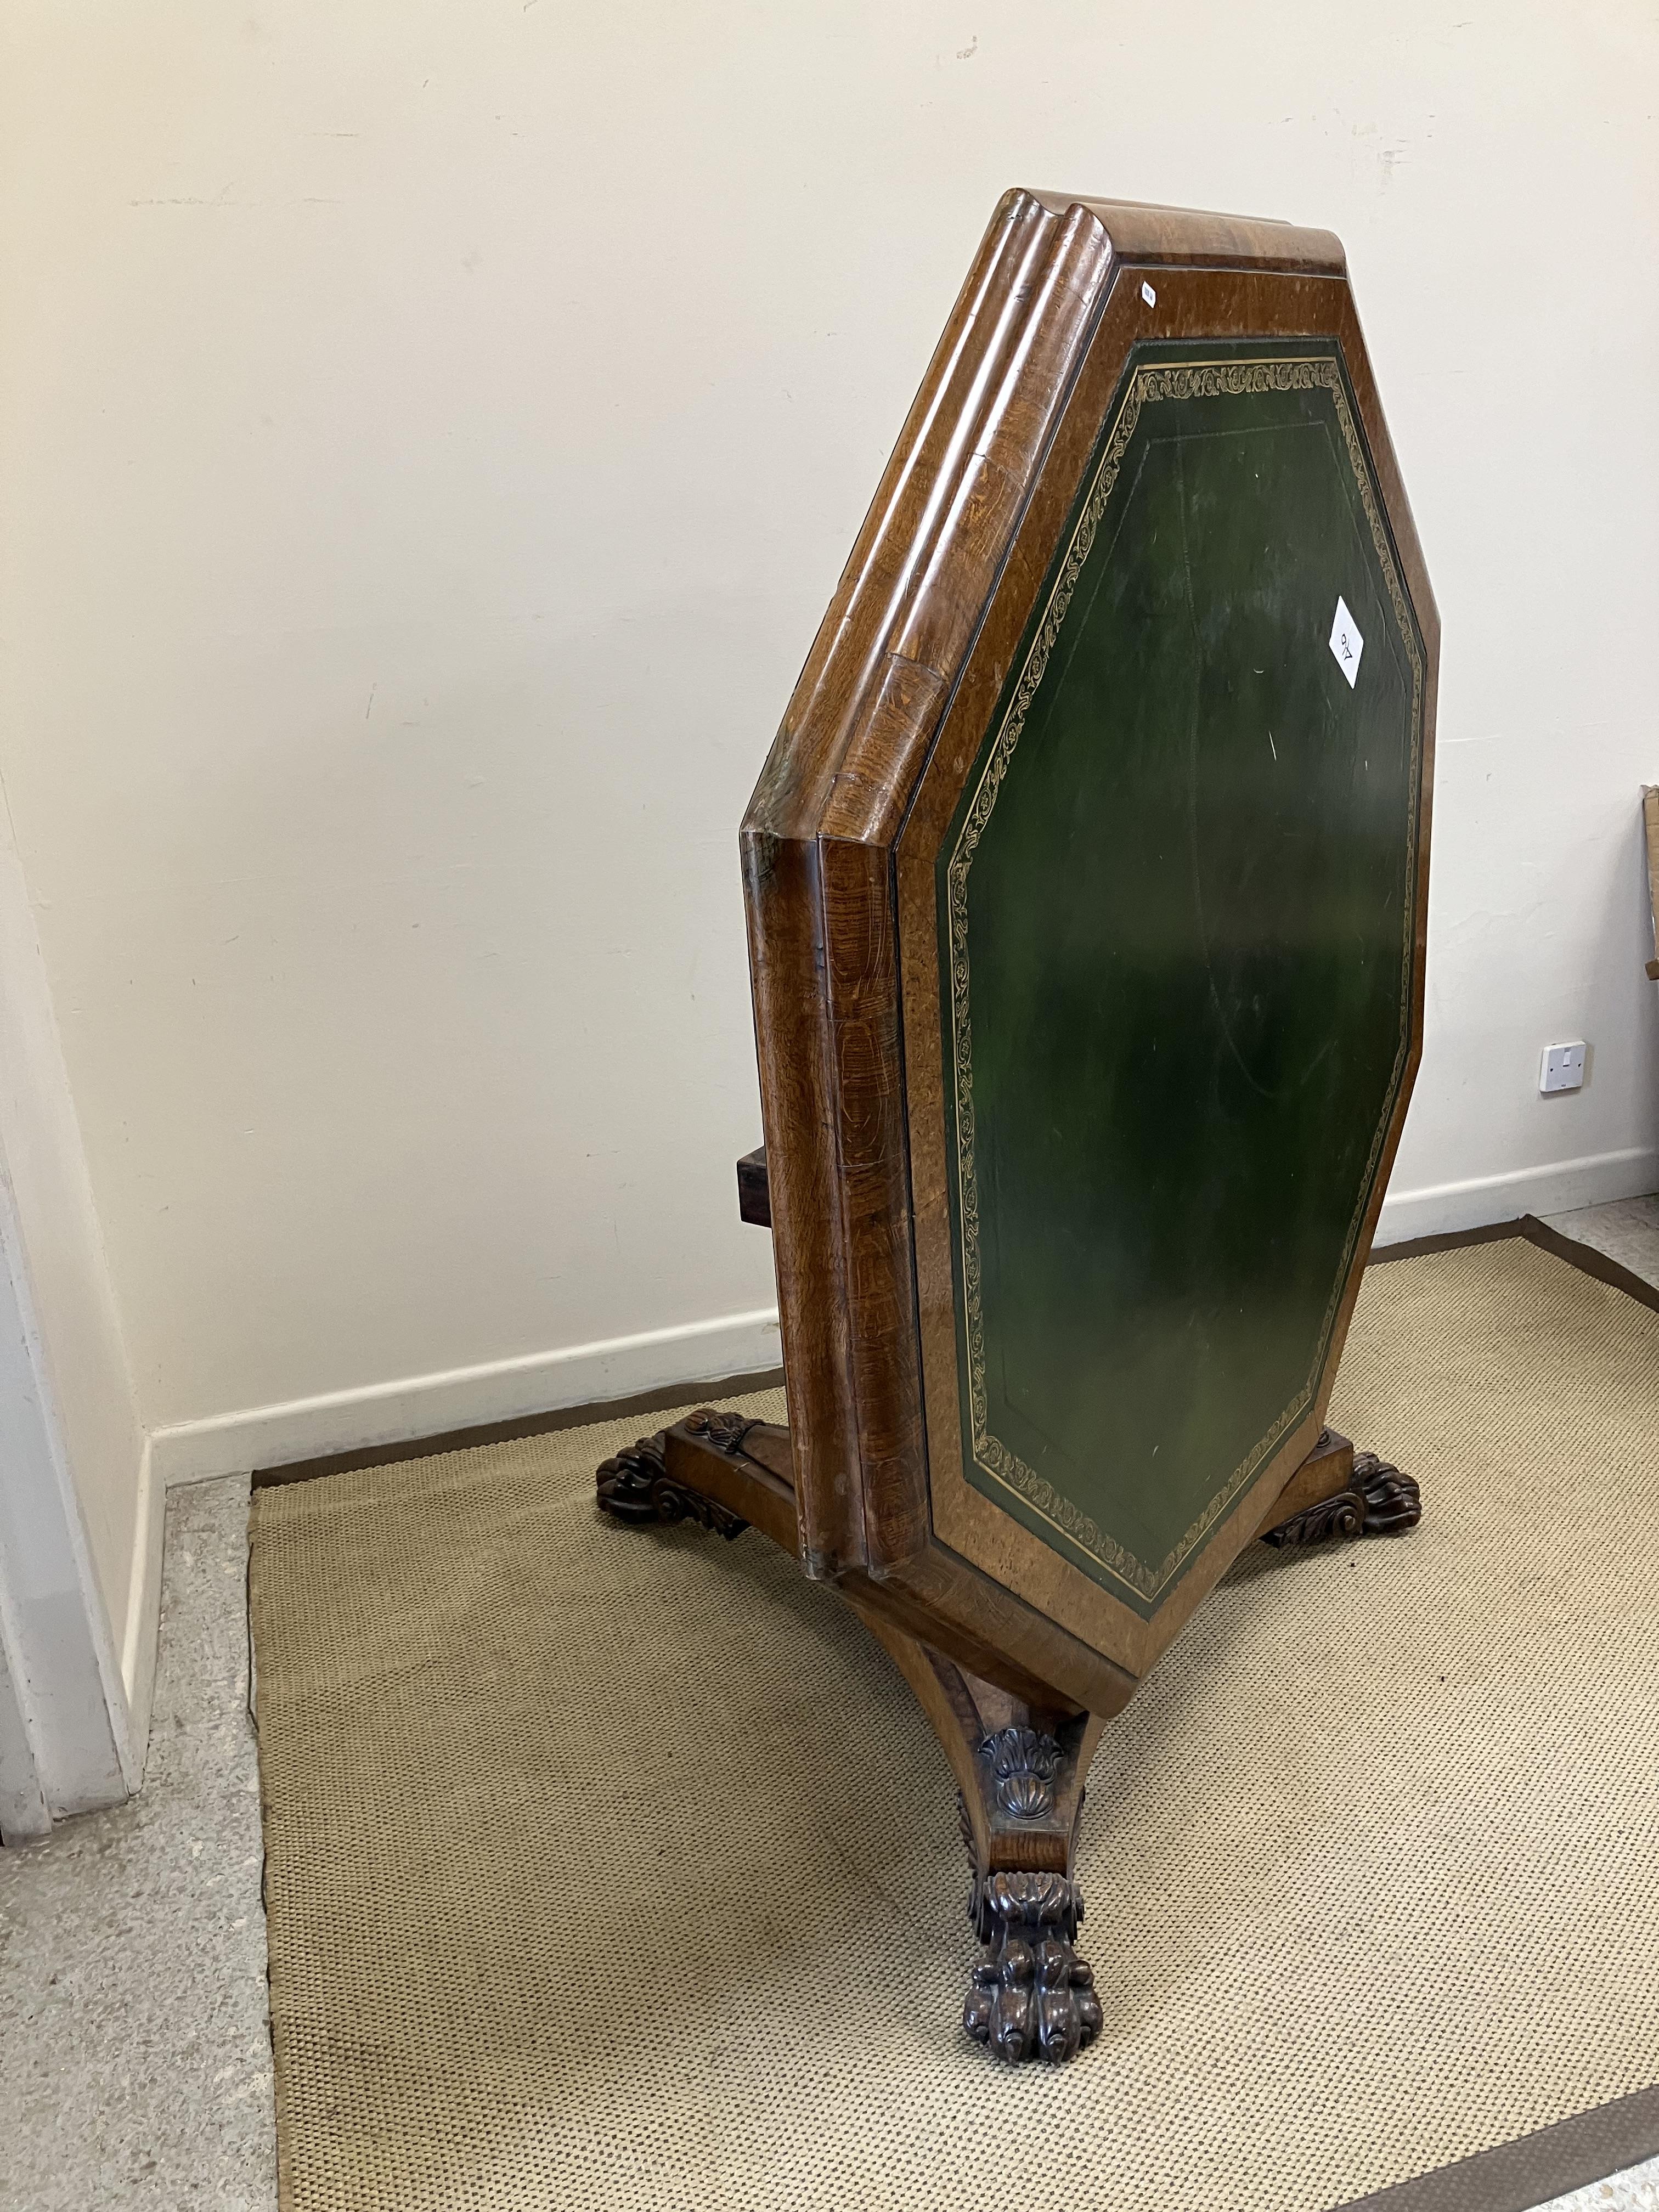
[{"x": 1086, "y": 887}]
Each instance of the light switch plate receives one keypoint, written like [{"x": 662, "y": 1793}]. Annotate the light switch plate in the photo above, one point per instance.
[{"x": 1564, "y": 1067}]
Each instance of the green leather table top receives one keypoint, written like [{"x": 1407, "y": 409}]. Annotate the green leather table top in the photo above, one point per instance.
[{"x": 1177, "y": 910}]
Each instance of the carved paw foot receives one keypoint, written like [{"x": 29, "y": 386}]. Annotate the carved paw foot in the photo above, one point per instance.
[
  {"x": 1393, "y": 1501},
  {"x": 1030, "y": 1996},
  {"x": 636, "y": 1486},
  {"x": 1379, "y": 1501}
]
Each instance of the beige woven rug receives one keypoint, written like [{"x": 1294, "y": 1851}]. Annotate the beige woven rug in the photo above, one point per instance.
[{"x": 615, "y": 1868}]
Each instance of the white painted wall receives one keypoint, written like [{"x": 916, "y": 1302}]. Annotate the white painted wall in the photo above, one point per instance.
[{"x": 429, "y": 434}]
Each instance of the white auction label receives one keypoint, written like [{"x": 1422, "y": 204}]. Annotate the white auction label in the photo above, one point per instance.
[
  {"x": 1148, "y": 294},
  {"x": 1346, "y": 643}
]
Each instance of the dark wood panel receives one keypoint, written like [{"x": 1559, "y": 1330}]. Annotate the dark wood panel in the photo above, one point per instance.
[{"x": 754, "y": 1190}]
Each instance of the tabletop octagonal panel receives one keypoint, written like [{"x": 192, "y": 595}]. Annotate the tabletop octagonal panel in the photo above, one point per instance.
[{"x": 1177, "y": 911}]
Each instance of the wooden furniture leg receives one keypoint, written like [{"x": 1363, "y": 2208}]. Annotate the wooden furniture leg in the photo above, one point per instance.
[
  {"x": 1019, "y": 1772},
  {"x": 1019, "y": 1763},
  {"x": 721, "y": 1470},
  {"x": 1340, "y": 1493}
]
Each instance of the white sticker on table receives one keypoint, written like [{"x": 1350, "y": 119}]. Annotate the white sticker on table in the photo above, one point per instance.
[
  {"x": 1148, "y": 294},
  {"x": 1346, "y": 643}
]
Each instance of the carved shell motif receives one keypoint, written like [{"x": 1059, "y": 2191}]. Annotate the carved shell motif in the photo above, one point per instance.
[
  {"x": 1024, "y": 1762},
  {"x": 726, "y": 1431}
]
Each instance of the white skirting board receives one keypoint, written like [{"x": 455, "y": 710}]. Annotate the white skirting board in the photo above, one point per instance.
[
  {"x": 468, "y": 1397},
  {"x": 422, "y": 1406},
  {"x": 1556, "y": 1187}
]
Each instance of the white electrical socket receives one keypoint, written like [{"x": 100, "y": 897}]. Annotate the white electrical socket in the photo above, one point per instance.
[{"x": 1564, "y": 1067}]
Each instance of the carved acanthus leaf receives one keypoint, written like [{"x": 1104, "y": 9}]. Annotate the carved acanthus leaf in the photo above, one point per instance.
[
  {"x": 1340, "y": 1517},
  {"x": 1024, "y": 1762}
]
